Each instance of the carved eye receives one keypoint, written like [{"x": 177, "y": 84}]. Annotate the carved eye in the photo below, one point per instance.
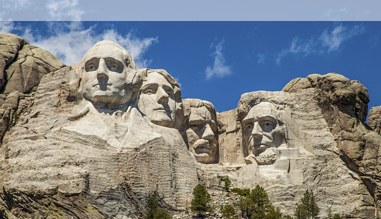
[
  {"x": 91, "y": 67},
  {"x": 114, "y": 65},
  {"x": 248, "y": 126},
  {"x": 267, "y": 126},
  {"x": 149, "y": 91},
  {"x": 197, "y": 127},
  {"x": 169, "y": 91},
  {"x": 92, "y": 64}
]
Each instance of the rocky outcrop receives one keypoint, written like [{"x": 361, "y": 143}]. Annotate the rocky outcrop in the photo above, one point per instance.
[
  {"x": 22, "y": 65},
  {"x": 344, "y": 104},
  {"x": 21, "y": 68},
  {"x": 71, "y": 149},
  {"x": 374, "y": 119}
]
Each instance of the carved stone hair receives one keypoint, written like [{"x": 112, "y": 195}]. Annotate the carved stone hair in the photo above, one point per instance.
[
  {"x": 128, "y": 61},
  {"x": 175, "y": 85},
  {"x": 197, "y": 103}
]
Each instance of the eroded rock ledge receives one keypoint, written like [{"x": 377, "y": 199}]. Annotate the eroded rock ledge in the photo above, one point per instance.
[{"x": 93, "y": 140}]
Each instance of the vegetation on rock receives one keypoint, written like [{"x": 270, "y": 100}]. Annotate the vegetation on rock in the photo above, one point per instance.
[
  {"x": 255, "y": 204},
  {"x": 154, "y": 211},
  {"x": 228, "y": 212},
  {"x": 307, "y": 207},
  {"x": 201, "y": 200},
  {"x": 226, "y": 181}
]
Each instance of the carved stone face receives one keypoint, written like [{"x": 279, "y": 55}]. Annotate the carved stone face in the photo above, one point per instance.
[
  {"x": 202, "y": 134},
  {"x": 105, "y": 73},
  {"x": 262, "y": 132},
  {"x": 156, "y": 100}
]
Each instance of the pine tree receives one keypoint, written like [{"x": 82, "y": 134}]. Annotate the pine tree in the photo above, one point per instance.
[
  {"x": 228, "y": 212},
  {"x": 153, "y": 209},
  {"x": 255, "y": 204},
  {"x": 274, "y": 213},
  {"x": 307, "y": 207},
  {"x": 261, "y": 203},
  {"x": 200, "y": 201}
]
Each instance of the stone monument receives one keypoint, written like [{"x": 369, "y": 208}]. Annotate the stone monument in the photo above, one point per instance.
[
  {"x": 96, "y": 139},
  {"x": 202, "y": 130}
]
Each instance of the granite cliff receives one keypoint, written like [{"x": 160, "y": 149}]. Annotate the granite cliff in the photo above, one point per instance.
[{"x": 95, "y": 139}]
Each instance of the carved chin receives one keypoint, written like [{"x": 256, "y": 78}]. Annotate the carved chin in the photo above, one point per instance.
[
  {"x": 162, "y": 120},
  {"x": 267, "y": 157}
]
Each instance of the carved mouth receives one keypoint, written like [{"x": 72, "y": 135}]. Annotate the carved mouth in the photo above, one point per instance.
[
  {"x": 202, "y": 146},
  {"x": 105, "y": 84},
  {"x": 159, "y": 109}
]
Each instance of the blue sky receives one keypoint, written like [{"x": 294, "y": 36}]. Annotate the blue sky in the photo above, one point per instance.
[
  {"x": 268, "y": 44},
  {"x": 219, "y": 61}
]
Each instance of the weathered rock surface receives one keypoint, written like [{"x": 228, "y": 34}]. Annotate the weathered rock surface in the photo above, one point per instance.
[
  {"x": 63, "y": 157},
  {"x": 44, "y": 154},
  {"x": 21, "y": 68},
  {"x": 344, "y": 104},
  {"x": 22, "y": 65},
  {"x": 374, "y": 119},
  {"x": 311, "y": 160}
]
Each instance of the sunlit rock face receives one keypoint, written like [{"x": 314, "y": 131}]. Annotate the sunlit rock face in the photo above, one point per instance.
[
  {"x": 81, "y": 136},
  {"x": 202, "y": 130},
  {"x": 107, "y": 74},
  {"x": 263, "y": 132},
  {"x": 94, "y": 140},
  {"x": 374, "y": 119},
  {"x": 160, "y": 97}
]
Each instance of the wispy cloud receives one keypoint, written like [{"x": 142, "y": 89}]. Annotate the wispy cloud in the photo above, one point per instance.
[
  {"x": 64, "y": 10},
  {"x": 134, "y": 45},
  {"x": 219, "y": 68},
  {"x": 332, "y": 40},
  {"x": 6, "y": 26},
  {"x": 261, "y": 58},
  {"x": 328, "y": 41},
  {"x": 336, "y": 14},
  {"x": 15, "y": 4},
  {"x": 71, "y": 43}
]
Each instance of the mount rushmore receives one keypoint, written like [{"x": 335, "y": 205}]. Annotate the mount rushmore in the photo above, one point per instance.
[{"x": 93, "y": 140}]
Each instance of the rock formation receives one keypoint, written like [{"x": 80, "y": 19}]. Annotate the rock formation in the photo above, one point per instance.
[
  {"x": 95, "y": 139},
  {"x": 202, "y": 130}
]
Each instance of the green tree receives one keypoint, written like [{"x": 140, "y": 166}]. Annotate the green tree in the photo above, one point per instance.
[
  {"x": 228, "y": 212},
  {"x": 161, "y": 213},
  {"x": 261, "y": 202},
  {"x": 307, "y": 207},
  {"x": 153, "y": 209},
  {"x": 335, "y": 216},
  {"x": 226, "y": 181},
  {"x": 274, "y": 213},
  {"x": 200, "y": 202},
  {"x": 255, "y": 204}
]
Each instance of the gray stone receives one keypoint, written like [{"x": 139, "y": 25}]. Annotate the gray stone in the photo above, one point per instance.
[{"x": 95, "y": 139}]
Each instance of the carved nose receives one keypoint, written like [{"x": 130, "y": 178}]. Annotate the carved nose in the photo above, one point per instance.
[
  {"x": 256, "y": 132},
  {"x": 162, "y": 96},
  {"x": 208, "y": 133},
  {"x": 102, "y": 70}
]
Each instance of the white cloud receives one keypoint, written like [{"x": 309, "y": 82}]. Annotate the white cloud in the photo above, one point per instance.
[
  {"x": 327, "y": 42},
  {"x": 6, "y": 26},
  {"x": 332, "y": 40},
  {"x": 336, "y": 14},
  {"x": 219, "y": 69},
  {"x": 70, "y": 45},
  {"x": 64, "y": 10},
  {"x": 261, "y": 58},
  {"x": 135, "y": 46},
  {"x": 15, "y": 4}
]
